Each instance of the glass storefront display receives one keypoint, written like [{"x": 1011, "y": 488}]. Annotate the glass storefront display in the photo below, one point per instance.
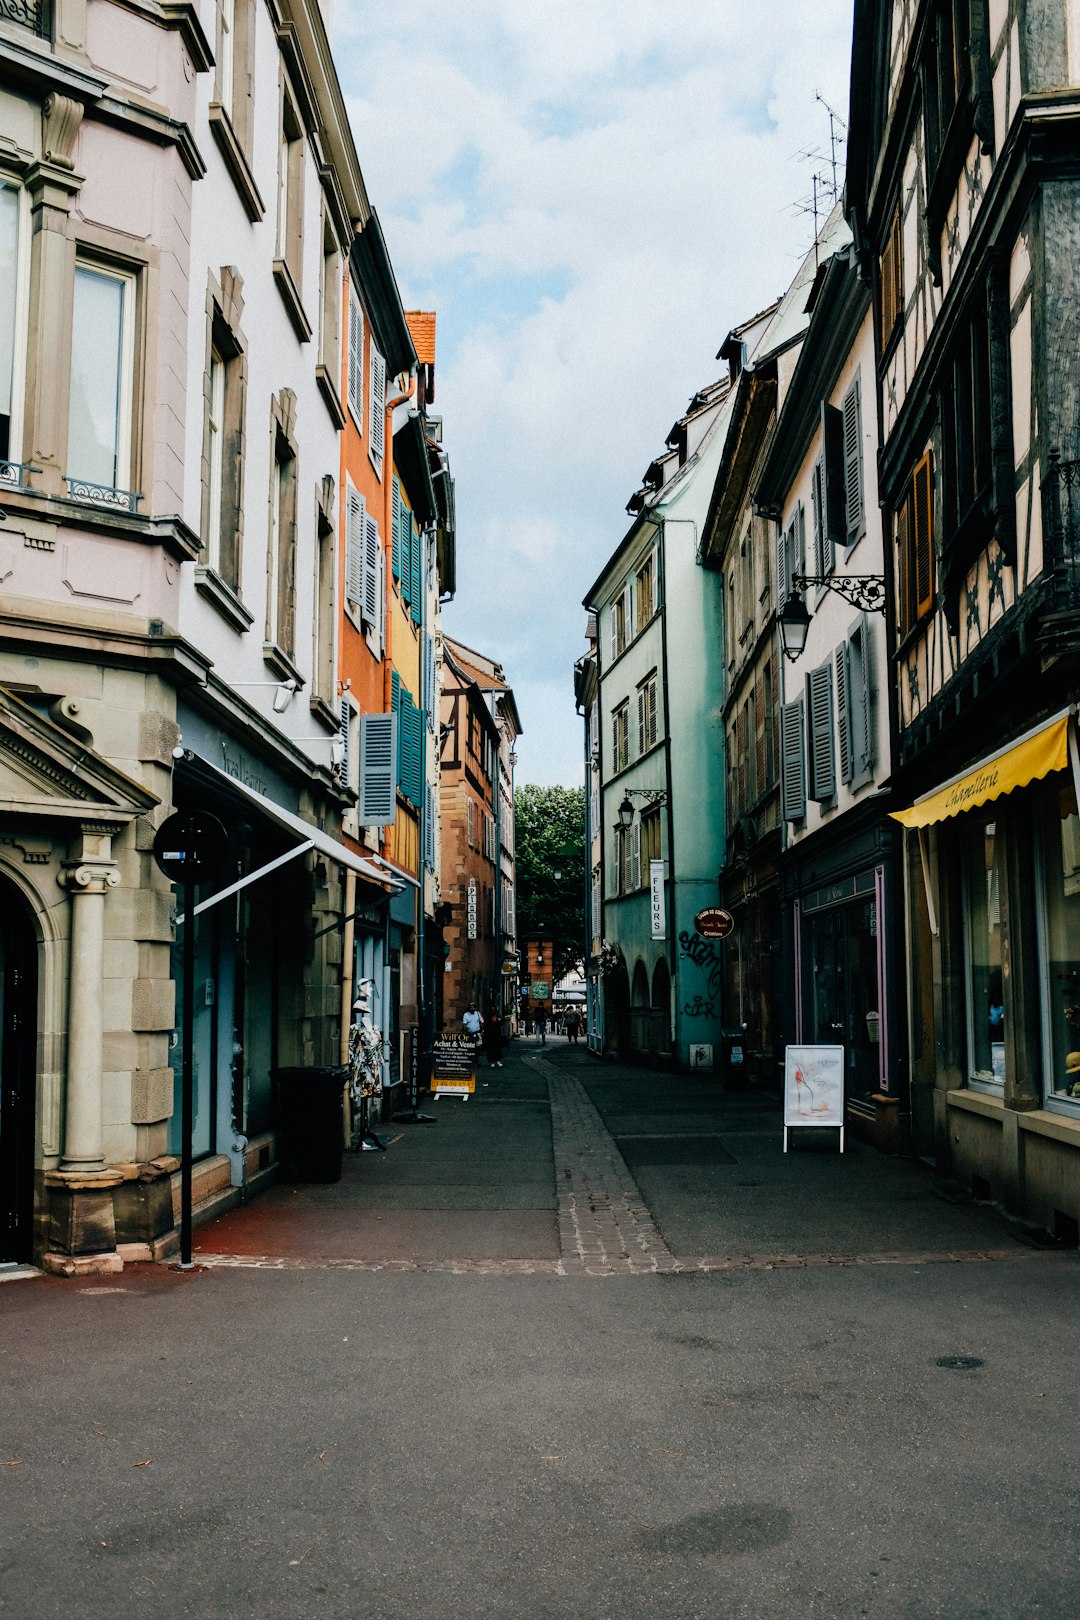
[
  {"x": 842, "y": 993},
  {"x": 1058, "y": 831},
  {"x": 983, "y": 884}
]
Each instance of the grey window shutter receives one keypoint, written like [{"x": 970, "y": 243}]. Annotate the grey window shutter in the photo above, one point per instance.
[
  {"x": 822, "y": 753},
  {"x": 354, "y": 547},
  {"x": 346, "y": 739},
  {"x": 377, "y": 431},
  {"x": 641, "y": 727},
  {"x": 861, "y": 700},
  {"x": 853, "y": 480},
  {"x": 833, "y": 477},
  {"x": 783, "y": 568},
  {"x": 378, "y": 769},
  {"x": 791, "y": 761},
  {"x": 370, "y": 604},
  {"x": 841, "y": 656},
  {"x": 798, "y": 565},
  {"x": 380, "y": 591}
]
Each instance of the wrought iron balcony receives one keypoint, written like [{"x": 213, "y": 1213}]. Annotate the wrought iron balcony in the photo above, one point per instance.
[
  {"x": 36, "y": 15},
  {"x": 13, "y": 474},
  {"x": 102, "y": 495}
]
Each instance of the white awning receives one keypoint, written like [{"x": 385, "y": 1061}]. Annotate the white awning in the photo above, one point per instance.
[{"x": 309, "y": 836}]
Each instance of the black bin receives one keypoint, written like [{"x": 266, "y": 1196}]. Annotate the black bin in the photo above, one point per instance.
[{"x": 309, "y": 1123}]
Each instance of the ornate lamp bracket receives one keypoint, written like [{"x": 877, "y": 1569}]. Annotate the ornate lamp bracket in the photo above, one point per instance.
[{"x": 863, "y": 591}]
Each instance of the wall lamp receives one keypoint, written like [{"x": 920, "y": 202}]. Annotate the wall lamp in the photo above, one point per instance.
[
  {"x": 626, "y": 809},
  {"x": 863, "y": 591}
]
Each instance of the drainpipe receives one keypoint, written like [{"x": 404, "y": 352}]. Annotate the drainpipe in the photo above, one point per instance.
[{"x": 661, "y": 575}]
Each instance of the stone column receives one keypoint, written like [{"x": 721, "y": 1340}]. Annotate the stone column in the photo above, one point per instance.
[{"x": 82, "y": 1224}]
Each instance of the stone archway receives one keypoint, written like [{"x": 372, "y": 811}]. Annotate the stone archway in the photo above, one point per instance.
[
  {"x": 617, "y": 1011},
  {"x": 641, "y": 1021}
]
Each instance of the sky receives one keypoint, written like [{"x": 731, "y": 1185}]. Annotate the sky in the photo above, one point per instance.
[{"x": 590, "y": 194}]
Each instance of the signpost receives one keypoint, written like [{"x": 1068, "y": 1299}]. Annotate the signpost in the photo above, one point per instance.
[
  {"x": 814, "y": 1089},
  {"x": 714, "y": 923},
  {"x": 190, "y": 848},
  {"x": 453, "y": 1066},
  {"x": 656, "y": 899}
]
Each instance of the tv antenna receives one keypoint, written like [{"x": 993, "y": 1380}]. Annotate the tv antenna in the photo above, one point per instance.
[{"x": 827, "y": 175}]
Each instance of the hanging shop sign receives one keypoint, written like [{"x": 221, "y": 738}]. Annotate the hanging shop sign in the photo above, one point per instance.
[
  {"x": 814, "y": 1089},
  {"x": 656, "y": 899},
  {"x": 191, "y": 846},
  {"x": 714, "y": 923},
  {"x": 540, "y": 989},
  {"x": 453, "y": 1066}
]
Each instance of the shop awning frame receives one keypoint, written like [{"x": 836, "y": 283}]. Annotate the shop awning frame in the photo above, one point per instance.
[
  {"x": 1047, "y": 747},
  {"x": 310, "y": 837}
]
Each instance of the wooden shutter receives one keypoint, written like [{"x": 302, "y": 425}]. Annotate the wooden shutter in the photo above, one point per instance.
[
  {"x": 641, "y": 720},
  {"x": 822, "y": 751},
  {"x": 354, "y": 546},
  {"x": 922, "y": 538},
  {"x": 614, "y": 631},
  {"x": 378, "y": 403},
  {"x": 635, "y": 855},
  {"x": 378, "y": 769},
  {"x": 891, "y": 281},
  {"x": 370, "y": 603},
  {"x": 841, "y": 657},
  {"x": 853, "y": 472},
  {"x": 832, "y": 455},
  {"x": 417, "y": 564},
  {"x": 356, "y": 359},
  {"x": 793, "y": 777},
  {"x": 395, "y": 537}
]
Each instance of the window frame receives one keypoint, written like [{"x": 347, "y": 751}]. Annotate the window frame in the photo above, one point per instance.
[
  {"x": 20, "y": 327},
  {"x": 127, "y": 360},
  {"x": 620, "y": 736}
]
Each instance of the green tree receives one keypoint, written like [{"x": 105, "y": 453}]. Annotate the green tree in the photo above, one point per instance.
[{"x": 549, "y": 840}]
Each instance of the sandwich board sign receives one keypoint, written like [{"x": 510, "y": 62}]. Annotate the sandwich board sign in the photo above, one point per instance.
[
  {"x": 813, "y": 1089},
  {"x": 453, "y": 1072}
]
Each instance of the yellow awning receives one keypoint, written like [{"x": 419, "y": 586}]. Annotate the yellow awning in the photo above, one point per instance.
[{"x": 1028, "y": 760}]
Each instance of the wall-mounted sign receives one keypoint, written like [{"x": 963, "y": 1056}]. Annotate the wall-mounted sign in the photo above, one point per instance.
[
  {"x": 656, "y": 899},
  {"x": 191, "y": 846},
  {"x": 540, "y": 989},
  {"x": 714, "y": 923},
  {"x": 471, "y": 926},
  {"x": 814, "y": 1088}
]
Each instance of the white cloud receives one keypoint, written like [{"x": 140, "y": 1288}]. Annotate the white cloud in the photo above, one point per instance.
[{"x": 591, "y": 195}]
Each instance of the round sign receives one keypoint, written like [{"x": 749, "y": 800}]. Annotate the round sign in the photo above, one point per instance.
[
  {"x": 191, "y": 846},
  {"x": 714, "y": 923}
]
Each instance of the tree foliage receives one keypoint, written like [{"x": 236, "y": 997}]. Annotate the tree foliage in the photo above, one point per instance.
[{"x": 549, "y": 838}]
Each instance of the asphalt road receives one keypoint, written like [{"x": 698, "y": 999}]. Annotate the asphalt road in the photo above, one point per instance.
[{"x": 310, "y": 1438}]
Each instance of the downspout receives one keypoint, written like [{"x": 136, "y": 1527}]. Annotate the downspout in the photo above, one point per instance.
[{"x": 661, "y": 575}]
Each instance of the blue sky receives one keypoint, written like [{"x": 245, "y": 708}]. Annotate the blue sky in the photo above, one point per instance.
[{"x": 590, "y": 193}]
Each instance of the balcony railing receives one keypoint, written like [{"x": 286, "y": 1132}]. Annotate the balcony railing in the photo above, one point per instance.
[
  {"x": 102, "y": 495},
  {"x": 1061, "y": 529},
  {"x": 13, "y": 474},
  {"x": 36, "y": 15}
]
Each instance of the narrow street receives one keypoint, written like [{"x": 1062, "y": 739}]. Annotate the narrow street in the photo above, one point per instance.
[{"x": 590, "y": 1345}]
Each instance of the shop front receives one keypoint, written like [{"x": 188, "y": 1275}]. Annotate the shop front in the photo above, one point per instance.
[
  {"x": 993, "y": 874},
  {"x": 845, "y": 969}
]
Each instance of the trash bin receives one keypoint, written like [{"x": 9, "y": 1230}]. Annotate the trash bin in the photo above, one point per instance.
[
  {"x": 733, "y": 1057},
  {"x": 309, "y": 1123}
]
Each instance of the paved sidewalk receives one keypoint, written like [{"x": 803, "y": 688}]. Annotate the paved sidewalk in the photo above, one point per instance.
[{"x": 564, "y": 1165}]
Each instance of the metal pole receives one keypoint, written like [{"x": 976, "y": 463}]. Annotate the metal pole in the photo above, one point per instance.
[{"x": 187, "y": 1074}]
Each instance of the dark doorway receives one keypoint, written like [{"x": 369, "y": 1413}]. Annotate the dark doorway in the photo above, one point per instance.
[{"x": 18, "y": 1074}]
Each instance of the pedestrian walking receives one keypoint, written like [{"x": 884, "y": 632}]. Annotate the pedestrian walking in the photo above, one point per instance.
[
  {"x": 493, "y": 1038},
  {"x": 541, "y": 1025},
  {"x": 573, "y": 1026},
  {"x": 473, "y": 1021}
]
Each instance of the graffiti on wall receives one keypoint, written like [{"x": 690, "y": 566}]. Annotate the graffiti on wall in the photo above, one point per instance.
[{"x": 703, "y": 953}]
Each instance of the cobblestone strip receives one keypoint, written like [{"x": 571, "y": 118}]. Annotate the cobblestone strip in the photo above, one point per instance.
[
  {"x": 604, "y": 1226},
  {"x": 579, "y": 1267}
]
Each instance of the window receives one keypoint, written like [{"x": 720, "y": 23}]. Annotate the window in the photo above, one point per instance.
[
  {"x": 323, "y": 665},
  {"x": 281, "y": 550},
  {"x": 470, "y": 822},
  {"x": 330, "y": 310},
  {"x": 232, "y": 83},
  {"x": 620, "y": 737},
  {"x": 628, "y": 858},
  {"x": 820, "y": 753},
  {"x": 13, "y": 243},
  {"x": 915, "y": 547},
  {"x": 646, "y": 713},
  {"x": 958, "y": 98},
  {"x": 620, "y": 623},
  {"x": 224, "y": 395},
  {"x": 982, "y": 863},
  {"x": 645, "y": 593},
  {"x": 891, "y": 282},
  {"x": 356, "y": 359},
  {"x": 793, "y": 777},
  {"x": 595, "y": 904},
  {"x": 290, "y": 218},
  {"x": 854, "y": 704},
  {"x": 650, "y": 836},
  {"x": 377, "y": 430},
  {"x": 99, "y": 452},
  {"x": 790, "y": 553},
  {"x": 966, "y": 446}
]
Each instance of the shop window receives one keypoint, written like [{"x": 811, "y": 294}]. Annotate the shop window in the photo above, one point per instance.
[
  {"x": 983, "y": 879},
  {"x": 100, "y": 406},
  {"x": 1059, "y": 916}
]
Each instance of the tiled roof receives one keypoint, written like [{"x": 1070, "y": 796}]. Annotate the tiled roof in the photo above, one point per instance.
[{"x": 422, "y": 328}]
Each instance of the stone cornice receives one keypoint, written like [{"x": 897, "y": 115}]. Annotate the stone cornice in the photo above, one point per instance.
[
  {"x": 156, "y": 126},
  {"x": 171, "y": 532}
]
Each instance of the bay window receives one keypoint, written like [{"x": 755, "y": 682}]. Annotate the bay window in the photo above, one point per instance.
[{"x": 102, "y": 383}]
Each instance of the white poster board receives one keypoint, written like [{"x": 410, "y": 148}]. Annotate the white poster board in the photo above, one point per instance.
[
  {"x": 814, "y": 1088},
  {"x": 656, "y": 899}
]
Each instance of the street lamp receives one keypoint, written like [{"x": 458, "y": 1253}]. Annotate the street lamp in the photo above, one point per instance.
[
  {"x": 655, "y": 796},
  {"x": 864, "y": 591}
]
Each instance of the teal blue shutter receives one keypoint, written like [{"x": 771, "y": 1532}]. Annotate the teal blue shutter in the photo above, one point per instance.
[
  {"x": 378, "y": 768},
  {"x": 396, "y": 539},
  {"x": 395, "y": 700},
  {"x": 415, "y": 542}
]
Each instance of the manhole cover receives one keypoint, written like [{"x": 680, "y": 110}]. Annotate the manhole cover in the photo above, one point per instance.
[{"x": 959, "y": 1363}]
